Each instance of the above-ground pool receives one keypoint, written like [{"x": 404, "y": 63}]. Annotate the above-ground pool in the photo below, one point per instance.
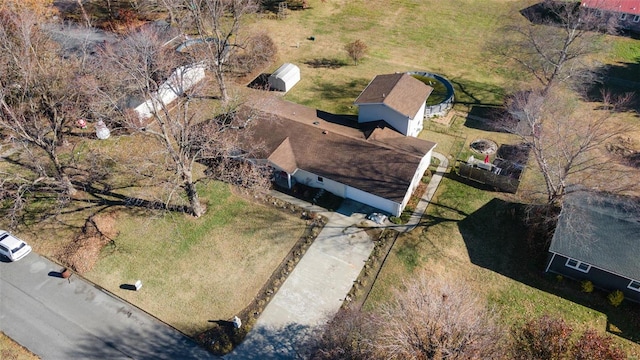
[{"x": 442, "y": 97}]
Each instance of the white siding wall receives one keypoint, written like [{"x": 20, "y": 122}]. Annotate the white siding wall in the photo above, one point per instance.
[
  {"x": 374, "y": 112},
  {"x": 417, "y": 177},
  {"x": 417, "y": 122},
  {"x": 345, "y": 191},
  {"x": 311, "y": 179},
  {"x": 383, "y": 204}
]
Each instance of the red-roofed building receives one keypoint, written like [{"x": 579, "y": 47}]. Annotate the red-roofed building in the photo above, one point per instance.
[{"x": 627, "y": 12}]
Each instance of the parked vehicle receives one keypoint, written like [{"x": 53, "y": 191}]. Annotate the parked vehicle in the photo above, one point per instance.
[{"x": 11, "y": 247}]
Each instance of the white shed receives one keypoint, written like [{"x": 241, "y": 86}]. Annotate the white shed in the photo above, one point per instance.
[{"x": 285, "y": 77}]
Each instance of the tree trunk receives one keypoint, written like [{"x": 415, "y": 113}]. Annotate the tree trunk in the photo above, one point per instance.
[
  {"x": 224, "y": 96},
  {"x": 197, "y": 209},
  {"x": 64, "y": 179}
]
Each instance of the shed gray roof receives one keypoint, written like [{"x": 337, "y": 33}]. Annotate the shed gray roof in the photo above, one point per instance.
[
  {"x": 401, "y": 92},
  {"x": 601, "y": 230}
]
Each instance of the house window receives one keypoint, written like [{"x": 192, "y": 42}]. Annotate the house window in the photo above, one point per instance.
[
  {"x": 578, "y": 265},
  {"x": 320, "y": 179},
  {"x": 634, "y": 285},
  {"x": 636, "y": 18},
  {"x": 623, "y": 16}
]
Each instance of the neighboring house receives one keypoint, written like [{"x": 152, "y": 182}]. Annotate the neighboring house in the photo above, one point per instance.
[
  {"x": 627, "y": 12},
  {"x": 598, "y": 239},
  {"x": 398, "y": 99},
  {"x": 376, "y": 166},
  {"x": 284, "y": 78}
]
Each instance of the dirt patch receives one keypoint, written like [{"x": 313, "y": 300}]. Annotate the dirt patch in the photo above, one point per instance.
[
  {"x": 82, "y": 253},
  {"x": 444, "y": 120},
  {"x": 484, "y": 146}
]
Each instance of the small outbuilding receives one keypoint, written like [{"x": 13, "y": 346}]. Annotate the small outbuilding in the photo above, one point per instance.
[{"x": 285, "y": 77}]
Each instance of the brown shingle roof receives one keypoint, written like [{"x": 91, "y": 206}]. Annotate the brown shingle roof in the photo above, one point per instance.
[
  {"x": 401, "y": 92},
  {"x": 284, "y": 157},
  {"x": 383, "y": 166}
]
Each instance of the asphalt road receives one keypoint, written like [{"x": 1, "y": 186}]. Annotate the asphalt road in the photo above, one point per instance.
[{"x": 58, "y": 318}]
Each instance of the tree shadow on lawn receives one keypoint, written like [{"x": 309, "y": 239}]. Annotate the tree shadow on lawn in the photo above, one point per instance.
[
  {"x": 326, "y": 63},
  {"x": 497, "y": 239},
  {"x": 335, "y": 91},
  {"x": 479, "y": 94},
  {"x": 617, "y": 80},
  {"x": 487, "y": 118}
]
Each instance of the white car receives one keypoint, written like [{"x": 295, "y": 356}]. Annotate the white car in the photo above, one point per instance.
[{"x": 11, "y": 247}]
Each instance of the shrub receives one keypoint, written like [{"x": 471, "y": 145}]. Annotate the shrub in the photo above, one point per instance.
[
  {"x": 592, "y": 345},
  {"x": 615, "y": 298},
  {"x": 356, "y": 50},
  {"x": 587, "y": 286},
  {"x": 542, "y": 338}
]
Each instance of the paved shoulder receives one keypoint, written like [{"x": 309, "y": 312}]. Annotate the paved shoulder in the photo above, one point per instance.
[{"x": 59, "y": 318}]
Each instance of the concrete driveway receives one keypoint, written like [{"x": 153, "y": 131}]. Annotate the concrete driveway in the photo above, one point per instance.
[
  {"x": 58, "y": 318},
  {"x": 315, "y": 289}
]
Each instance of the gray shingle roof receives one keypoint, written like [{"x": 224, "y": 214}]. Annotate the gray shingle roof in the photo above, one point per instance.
[{"x": 601, "y": 230}]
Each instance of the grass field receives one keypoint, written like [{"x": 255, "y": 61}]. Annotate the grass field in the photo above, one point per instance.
[
  {"x": 196, "y": 270},
  {"x": 450, "y": 38}
]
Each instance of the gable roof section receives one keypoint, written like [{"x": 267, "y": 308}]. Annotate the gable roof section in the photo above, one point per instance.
[
  {"x": 601, "y": 230},
  {"x": 383, "y": 168},
  {"x": 401, "y": 92},
  {"x": 619, "y": 6},
  {"x": 284, "y": 157}
]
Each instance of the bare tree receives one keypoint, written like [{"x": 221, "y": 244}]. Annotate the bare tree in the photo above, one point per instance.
[
  {"x": 557, "y": 45},
  {"x": 258, "y": 51},
  {"x": 568, "y": 140},
  {"x": 142, "y": 64},
  {"x": 356, "y": 49},
  {"x": 433, "y": 318},
  {"x": 39, "y": 96},
  {"x": 39, "y": 8},
  {"x": 172, "y": 114},
  {"x": 429, "y": 317},
  {"x": 218, "y": 25},
  {"x": 349, "y": 335}
]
